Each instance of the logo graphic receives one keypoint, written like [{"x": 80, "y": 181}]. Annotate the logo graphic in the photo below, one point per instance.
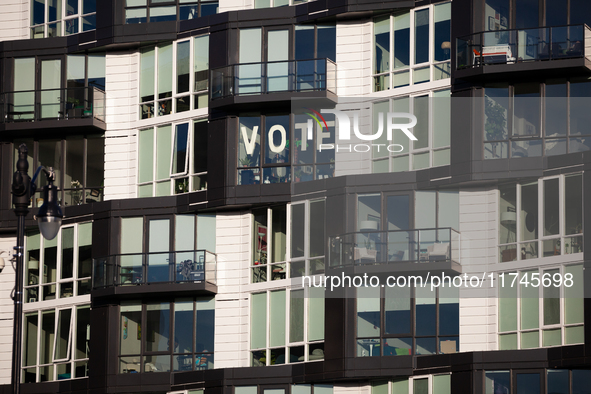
[{"x": 344, "y": 129}]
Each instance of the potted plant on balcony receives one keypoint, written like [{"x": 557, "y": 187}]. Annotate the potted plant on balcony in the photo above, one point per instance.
[
  {"x": 495, "y": 124},
  {"x": 246, "y": 176}
]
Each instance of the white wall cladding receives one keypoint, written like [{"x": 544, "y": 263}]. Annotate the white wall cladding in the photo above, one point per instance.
[
  {"x": 121, "y": 116},
  {"x": 352, "y": 388},
  {"x": 14, "y": 20},
  {"x": 6, "y": 311},
  {"x": 235, "y": 5},
  {"x": 354, "y": 40},
  {"x": 478, "y": 320},
  {"x": 231, "y": 309}
]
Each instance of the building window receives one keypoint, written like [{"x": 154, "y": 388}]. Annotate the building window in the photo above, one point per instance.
[
  {"x": 167, "y": 84},
  {"x": 277, "y": 3},
  {"x": 264, "y": 150},
  {"x": 142, "y": 11},
  {"x": 524, "y": 323},
  {"x": 165, "y": 249},
  {"x": 56, "y": 343},
  {"x": 293, "y": 389},
  {"x": 57, "y": 282},
  {"x": 39, "y": 91},
  {"x": 173, "y": 159},
  {"x": 562, "y": 381},
  {"x": 530, "y": 132},
  {"x": 430, "y": 384},
  {"x": 307, "y": 238},
  {"x": 269, "y": 244},
  {"x": 78, "y": 163},
  {"x": 55, "y": 18},
  {"x": 550, "y": 218},
  {"x": 167, "y": 336},
  {"x": 58, "y": 268},
  {"x": 398, "y": 36},
  {"x": 287, "y": 326},
  {"x": 432, "y": 147},
  {"x": 386, "y": 327}
]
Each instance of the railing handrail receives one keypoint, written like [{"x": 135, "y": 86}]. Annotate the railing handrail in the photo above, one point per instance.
[
  {"x": 584, "y": 25},
  {"x": 148, "y": 253},
  {"x": 51, "y": 90},
  {"x": 274, "y": 61},
  {"x": 394, "y": 231}
]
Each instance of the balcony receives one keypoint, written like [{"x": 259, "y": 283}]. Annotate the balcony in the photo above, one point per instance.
[
  {"x": 49, "y": 108},
  {"x": 272, "y": 81},
  {"x": 158, "y": 270},
  {"x": 401, "y": 250},
  {"x": 531, "y": 50}
]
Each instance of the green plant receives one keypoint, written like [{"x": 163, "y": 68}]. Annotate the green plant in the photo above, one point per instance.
[
  {"x": 495, "y": 126},
  {"x": 181, "y": 186},
  {"x": 246, "y": 162}
]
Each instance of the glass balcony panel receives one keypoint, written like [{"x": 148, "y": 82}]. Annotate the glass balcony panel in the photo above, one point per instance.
[
  {"x": 250, "y": 78},
  {"x": 278, "y": 77},
  {"x": 513, "y": 46}
]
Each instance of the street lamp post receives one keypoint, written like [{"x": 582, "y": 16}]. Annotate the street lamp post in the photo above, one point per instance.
[{"x": 49, "y": 218}]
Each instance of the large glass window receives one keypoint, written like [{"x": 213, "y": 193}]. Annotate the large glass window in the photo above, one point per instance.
[
  {"x": 175, "y": 249},
  {"x": 178, "y": 336},
  {"x": 533, "y": 316},
  {"x": 269, "y": 244},
  {"x": 58, "y": 271},
  {"x": 432, "y": 147},
  {"x": 166, "y": 83},
  {"x": 139, "y": 11},
  {"x": 307, "y": 238},
  {"x": 55, "y": 18},
  {"x": 522, "y": 129},
  {"x": 173, "y": 159},
  {"x": 554, "y": 230},
  {"x": 393, "y": 65},
  {"x": 79, "y": 173},
  {"x": 434, "y": 329},
  {"x": 49, "y": 277},
  {"x": 287, "y": 326},
  {"x": 64, "y": 348}
]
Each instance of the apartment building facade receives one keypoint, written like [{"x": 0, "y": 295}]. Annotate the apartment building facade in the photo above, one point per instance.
[{"x": 213, "y": 157}]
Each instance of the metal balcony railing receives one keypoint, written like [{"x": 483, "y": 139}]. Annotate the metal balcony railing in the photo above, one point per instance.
[
  {"x": 271, "y": 77},
  {"x": 52, "y": 104},
  {"x": 380, "y": 247},
  {"x": 513, "y": 46},
  {"x": 146, "y": 268}
]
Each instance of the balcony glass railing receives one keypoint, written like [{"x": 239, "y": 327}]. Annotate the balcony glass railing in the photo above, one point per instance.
[
  {"x": 512, "y": 46},
  {"x": 379, "y": 247},
  {"x": 51, "y": 104},
  {"x": 271, "y": 77},
  {"x": 145, "y": 268}
]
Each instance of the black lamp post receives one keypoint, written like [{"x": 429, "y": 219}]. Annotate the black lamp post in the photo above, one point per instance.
[{"x": 49, "y": 218}]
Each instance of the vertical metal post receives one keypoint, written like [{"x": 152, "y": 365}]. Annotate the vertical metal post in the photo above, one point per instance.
[{"x": 21, "y": 190}]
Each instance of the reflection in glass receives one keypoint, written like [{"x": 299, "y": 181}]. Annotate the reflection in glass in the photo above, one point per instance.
[{"x": 526, "y": 112}]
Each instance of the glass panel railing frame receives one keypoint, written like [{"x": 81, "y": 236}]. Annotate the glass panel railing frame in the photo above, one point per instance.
[
  {"x": 522, "y": 45},
  {"x": 53, "y": 104},
  {"x": 148, "y": 268},
  {"x": 271, "y": 77},
  {"x": 394, "y": 246}
]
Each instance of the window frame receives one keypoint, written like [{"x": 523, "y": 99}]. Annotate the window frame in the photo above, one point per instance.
[
  {"x": 412, "y": 151},
  {"x": 62, "y": 19},
  {"x": 412, "y": 67},
  {"x": 182, "y": 182},
  {"x": 562, "y": 237},
  {"x": 542, "y": 327},
  {"x": 382, "y": 337},
  {"x": 306, "y": 343},
  {"x": 156, "y": 107}
]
